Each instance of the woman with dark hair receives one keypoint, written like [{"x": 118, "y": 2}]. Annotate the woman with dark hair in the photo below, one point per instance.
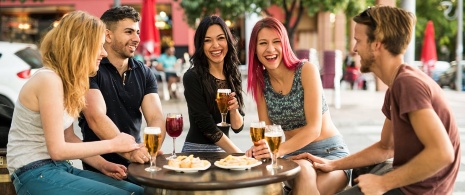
[
  {"x": 214, "y": 66},
  {"x": 288, "y": 92}
]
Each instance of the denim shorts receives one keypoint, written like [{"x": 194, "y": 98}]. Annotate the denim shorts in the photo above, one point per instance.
[
  {"x": 331, "y": 148},
  {"x": 60, "y": 177},
  {"x": 194, "y": 147}
]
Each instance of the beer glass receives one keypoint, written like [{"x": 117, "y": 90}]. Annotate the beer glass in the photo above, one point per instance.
[
  {"x": 257, "y": 131},
  {"x": 173, "y": 126},
  {"x": 222, "y": 99},
  {"x": 152, "y": 140},
  {"x": 273, "y": 137}
]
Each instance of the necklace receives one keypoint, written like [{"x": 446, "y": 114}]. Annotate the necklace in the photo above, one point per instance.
[{"x": 394, "y": 74}]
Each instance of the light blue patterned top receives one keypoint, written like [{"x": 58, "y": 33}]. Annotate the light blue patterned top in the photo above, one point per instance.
[{"x": 288, "y": 110}]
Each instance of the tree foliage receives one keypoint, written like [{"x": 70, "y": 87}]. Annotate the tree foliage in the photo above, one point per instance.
[
  {"x": 233, "y": 9},
  {"x": 445, "y": 30}
]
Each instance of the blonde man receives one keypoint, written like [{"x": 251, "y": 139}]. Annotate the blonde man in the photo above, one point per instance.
[{"x": 419, "y": 133}]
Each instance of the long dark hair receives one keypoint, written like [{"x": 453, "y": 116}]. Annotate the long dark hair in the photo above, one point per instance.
[{"x": 230, "y": 67}]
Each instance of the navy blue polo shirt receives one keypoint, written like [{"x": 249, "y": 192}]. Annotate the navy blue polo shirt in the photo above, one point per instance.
[{"x": 123, "y": 97}]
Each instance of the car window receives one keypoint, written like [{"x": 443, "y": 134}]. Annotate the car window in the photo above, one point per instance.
[{"x": 30, "y": 56}]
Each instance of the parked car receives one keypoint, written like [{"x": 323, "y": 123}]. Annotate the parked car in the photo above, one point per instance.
[
  {"x": 18, "y": 61},
  {"x": 448, "y": 78},
  {"x": 438, "y": 69}
]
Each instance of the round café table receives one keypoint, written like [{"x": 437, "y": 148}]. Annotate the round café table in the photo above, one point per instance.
[{"x": 214, "y": 180}]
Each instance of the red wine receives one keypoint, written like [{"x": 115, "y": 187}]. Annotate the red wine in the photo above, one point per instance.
[{"x": 174, "y": 126}]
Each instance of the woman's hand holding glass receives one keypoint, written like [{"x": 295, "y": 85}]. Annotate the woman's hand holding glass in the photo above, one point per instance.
[
  {"x": 233, "y": 104},
  {"x": 259, "y": 150}
]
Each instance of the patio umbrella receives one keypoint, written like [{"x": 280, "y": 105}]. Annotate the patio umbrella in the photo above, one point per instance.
[
  {"x": 428, "y": 51},
  {"x": 149, "y": 35}
]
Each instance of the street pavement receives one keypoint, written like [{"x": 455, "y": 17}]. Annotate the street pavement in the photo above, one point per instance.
[{"x": 359, "y": 119}]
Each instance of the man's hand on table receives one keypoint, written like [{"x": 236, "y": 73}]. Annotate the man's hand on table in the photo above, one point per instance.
[{"x": 140, "y": 155}]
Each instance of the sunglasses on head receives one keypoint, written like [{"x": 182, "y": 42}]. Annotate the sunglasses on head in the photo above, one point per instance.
[{"x": 366, "y": 14}]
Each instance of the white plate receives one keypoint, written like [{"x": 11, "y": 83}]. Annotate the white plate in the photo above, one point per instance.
[
  {"x": 187, "y": 170},
  {"x": 244, "y": 167}
]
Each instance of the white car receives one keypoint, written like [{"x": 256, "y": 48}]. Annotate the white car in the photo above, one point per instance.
[
  {"x": 439, "y": 68},
  {"x": 18, "y": 61}
]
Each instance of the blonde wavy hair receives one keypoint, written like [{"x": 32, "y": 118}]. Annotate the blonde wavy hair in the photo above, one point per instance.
[{"x": 71, "y": 49}]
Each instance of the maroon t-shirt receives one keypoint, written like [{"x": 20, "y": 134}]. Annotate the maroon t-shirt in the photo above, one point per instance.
[{"x": 413, "y": 90}]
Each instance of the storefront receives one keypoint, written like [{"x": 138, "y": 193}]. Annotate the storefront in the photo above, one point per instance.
[{"x": 28, "y": 22}]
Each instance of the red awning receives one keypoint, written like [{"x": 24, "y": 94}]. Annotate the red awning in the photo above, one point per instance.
[
  {"x": 428, "y": 51},
  {"x": 149, "y": 35}
]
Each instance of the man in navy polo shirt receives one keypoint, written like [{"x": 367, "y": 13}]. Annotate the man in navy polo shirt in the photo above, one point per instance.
[{"x": 122, "y": 88}]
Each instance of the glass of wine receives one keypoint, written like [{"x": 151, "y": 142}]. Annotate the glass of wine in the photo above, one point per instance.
[
  {"x": 273, "y": 137},
  {"x": 174, "y": 125},
  {"x": 257, "y": 131},
  {"x": 222, "y": 99},
  {"x": 152, "y": 140}
]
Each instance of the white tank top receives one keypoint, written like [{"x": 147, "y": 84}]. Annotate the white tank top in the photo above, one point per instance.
[{"x": 26, "y": 140}]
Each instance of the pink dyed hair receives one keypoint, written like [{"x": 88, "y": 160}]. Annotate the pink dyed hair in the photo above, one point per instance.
[{"x": 255, "y": 82}]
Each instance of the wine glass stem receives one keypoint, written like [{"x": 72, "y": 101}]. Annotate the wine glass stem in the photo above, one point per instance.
[
  {"x": 153, "y": 161},
  {"x": 223, "y": 117},
  {"x": 274, "y": 160},
  {"x": 174, "y": 148}
]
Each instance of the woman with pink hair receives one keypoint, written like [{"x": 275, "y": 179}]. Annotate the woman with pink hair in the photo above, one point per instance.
[{"x": 288, "y": 92}]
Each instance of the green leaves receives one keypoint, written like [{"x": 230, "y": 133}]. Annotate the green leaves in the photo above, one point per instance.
[
  {"x": 232, "y": 9},
  {"x": 228, "y": 9}
]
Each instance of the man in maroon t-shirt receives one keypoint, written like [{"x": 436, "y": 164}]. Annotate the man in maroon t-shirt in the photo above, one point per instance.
[{"x": 419, "y": 133}]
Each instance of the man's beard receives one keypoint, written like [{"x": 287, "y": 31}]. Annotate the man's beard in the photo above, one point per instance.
[
  {"x": 119, "y": 48},
  {"x": 367, "y": 64}
]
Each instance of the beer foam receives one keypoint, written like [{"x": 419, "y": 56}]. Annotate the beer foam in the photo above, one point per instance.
[
  {"x": 258, "y": 124},
  {"x": 224, "y": 90},
  {"x": 273, "y": 134},
  {"x": 152, "y": 130}
]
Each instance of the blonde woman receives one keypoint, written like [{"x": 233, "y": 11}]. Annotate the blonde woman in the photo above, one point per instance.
[{"x": 42, "y": 139}]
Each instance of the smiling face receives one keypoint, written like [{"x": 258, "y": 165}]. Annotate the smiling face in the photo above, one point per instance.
[
  {"x": 124, "y": 38},
  {"x": 215, "y": 45},
  {"x": 363, "y": 48},
  {"x": 269, "y": 48}
]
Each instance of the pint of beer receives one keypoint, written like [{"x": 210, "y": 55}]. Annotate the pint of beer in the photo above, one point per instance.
[
  {"x": 257, "y": 131},
  {"x": 273, "y": 137},
  {"x": 274, "y": 141},
  {"x": 222, "y": 98},
  {"x": 152, "y": 140}
]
